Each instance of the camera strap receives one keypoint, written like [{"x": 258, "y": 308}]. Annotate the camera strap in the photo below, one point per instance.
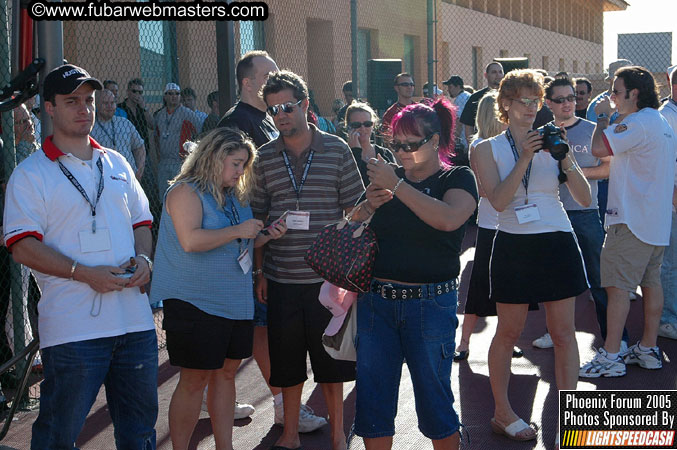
[{"x": 515, "y": 153}]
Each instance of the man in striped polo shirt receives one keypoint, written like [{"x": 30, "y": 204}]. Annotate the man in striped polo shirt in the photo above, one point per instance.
[{"x": 313, "y": 176}]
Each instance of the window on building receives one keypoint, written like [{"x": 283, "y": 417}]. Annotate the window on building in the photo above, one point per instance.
[
  {"x": 493, "y": 7},
  {"x": 502, "y": 53},
  {"x": 545, "y": 63},
  {"x": 158, "y": 60},
  {"x": 561, "y": 65},
  {"x": 363, "y": 55},
  {"x": 587, "y": 67},
  {"x": 575, "y": 66},
  {"x": 252, "y": 36}
]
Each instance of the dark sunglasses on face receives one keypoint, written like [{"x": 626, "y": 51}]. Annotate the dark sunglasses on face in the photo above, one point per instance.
[
  {"x": 568, "y": 98},
  {"x": 405, "y": 84},
  {"x": 409, "y": 147},
  {"x": 582, "y": 92},
  {"x": 284, "y": 107},
  {"x": 137, "y": 91},
  {"x": 356, "y": 125}
]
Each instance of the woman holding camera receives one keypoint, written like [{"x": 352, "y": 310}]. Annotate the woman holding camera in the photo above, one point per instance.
[
  {"x": 535, "y": 257},
  {"x": 360, "y": 121},
  {"x": 420, "y": 211},
  {"x": 203, "y": 275}
]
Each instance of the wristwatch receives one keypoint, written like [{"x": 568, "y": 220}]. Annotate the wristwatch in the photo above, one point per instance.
[{"x": 148, "y": 260}]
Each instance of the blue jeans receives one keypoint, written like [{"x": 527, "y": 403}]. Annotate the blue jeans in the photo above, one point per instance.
[
  {"x": 669, "y": 277},
  {"x": 127, "y": 365},
  {"x": 590, "y": 237},
  {"x": 420, "y": 331}
]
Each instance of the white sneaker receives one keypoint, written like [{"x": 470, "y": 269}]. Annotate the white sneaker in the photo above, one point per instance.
[
  {"x": 648, "y": 360},
  {"x": 242, "y": 410},
  {"x": 668, "y": 330},
  {"x": 601, "y": 366},
  {"x": 308, "y": 421},
  {"x": 544, "y": 341}
]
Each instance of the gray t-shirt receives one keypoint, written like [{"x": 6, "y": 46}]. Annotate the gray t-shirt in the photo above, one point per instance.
[{"x": 580, "y": 141}]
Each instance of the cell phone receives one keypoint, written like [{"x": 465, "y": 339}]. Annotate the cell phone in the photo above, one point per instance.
[
  {"x": 266, "y": 230},
  {"x": 128, "y": 273}
]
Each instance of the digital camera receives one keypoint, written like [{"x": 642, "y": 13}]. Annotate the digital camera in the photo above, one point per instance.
[{"x": 553, "y": 141}]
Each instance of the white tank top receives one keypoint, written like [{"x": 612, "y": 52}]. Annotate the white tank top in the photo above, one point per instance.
[{"x": 543, "y": 191}]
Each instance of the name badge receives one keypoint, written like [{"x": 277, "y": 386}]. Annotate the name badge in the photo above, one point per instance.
[
  {"x": 245, "y": 261},
  {"x": 527, "y": 213},
  {"x": 95, "y": 242},
  {"x": 298, "y": 220}
]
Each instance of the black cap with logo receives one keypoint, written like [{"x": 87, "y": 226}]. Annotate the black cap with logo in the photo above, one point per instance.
[{"x": 66, "y": 79}]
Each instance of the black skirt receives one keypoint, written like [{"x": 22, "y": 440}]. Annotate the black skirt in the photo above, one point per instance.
[
  {"x": 533, "y": 268},
  {"x": 478, "y": 301}
]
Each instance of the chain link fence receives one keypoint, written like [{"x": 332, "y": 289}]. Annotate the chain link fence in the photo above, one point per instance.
[{"x": 313, "y": 39}]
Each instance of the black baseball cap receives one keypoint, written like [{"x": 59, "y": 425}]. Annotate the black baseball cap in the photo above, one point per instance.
[
  {"x": 66, "y": 79},
  {"x": 455, "y": 80}
]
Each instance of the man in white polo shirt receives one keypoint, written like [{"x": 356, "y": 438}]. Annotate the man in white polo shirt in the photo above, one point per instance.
[
  {"x": 638, "y": 215},
  {"x": 76, "y": 215}
]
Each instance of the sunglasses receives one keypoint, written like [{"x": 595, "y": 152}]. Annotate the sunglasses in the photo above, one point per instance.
[
  {"x": 136, "y": 91},
  {"x": 356, "y": 125},
  {"x": 287, "y": 108},
  {"x": 529, "y": 102},
  {"x": 568, "y": 98},
  {"x": 410, "y": 147},
  {"x": 582, "y": 92},
  {"x": 405, "y": 84}
]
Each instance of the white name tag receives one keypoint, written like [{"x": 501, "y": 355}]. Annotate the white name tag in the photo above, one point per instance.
[
  {"x": 95, "y": 242},
  {"x": 245, "y": 261},
  {"x": 527, "y": 213},
  {"x": 298, "y": 220}
]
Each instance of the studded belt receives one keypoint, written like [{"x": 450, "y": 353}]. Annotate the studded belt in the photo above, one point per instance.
[{"x": 392, "y": 291}]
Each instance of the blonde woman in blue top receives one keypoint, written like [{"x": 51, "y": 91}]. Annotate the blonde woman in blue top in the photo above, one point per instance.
[{"x": 203, "y": 275}]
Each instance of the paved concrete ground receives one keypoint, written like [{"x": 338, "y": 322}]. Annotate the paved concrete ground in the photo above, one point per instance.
[{"x": 532, "y": 391}]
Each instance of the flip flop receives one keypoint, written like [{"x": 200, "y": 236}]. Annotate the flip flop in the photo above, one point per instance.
[{"x": 511, "y": 430}]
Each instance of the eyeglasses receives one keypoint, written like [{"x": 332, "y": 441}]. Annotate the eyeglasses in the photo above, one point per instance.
[
  {"x": 405, "y": 84},
  {"x": 529, "y": 102},
  {"x": 356, "y": 125},
  {"x": 410, "y": 147},
  {"x": 284, "y": 107},
  {"x": 136, "y": 91},
  {"x": 568, "y": 98}
]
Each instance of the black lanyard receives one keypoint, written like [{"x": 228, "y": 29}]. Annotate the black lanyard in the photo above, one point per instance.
[
  {"x": 298, "y": 188},
  {"x": 112, "y": 125},
  {"x": 525, "y": 178},
  {"x": 80, "y": 189},
  {"x": 234, "y": 218}
]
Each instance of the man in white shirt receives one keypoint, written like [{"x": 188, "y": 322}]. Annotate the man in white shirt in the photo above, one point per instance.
[
  {"x": 668, "y": 327},
  {"x": 460, "y": 97},
  {"x": 638, "y": 215},
  {"x": 118, "y": 133},
  {"x": 75, "y": 214}
]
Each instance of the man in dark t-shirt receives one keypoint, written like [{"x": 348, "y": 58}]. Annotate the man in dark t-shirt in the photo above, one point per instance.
[
  {"x": 249, "y": 114},
  {"x": 494, "y": 74}
]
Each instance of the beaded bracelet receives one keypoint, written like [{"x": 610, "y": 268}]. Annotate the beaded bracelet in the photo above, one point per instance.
[{"x": 396, "y": 186}]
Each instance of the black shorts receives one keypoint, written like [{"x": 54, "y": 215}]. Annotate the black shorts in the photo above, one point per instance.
[
  {"x": 296, "y": 322},
  {"x": 197, "y": 340},
  {"x": 533, "y": 268}
]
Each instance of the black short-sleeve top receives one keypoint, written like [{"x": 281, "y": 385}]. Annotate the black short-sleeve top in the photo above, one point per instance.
[{"x": 412, "y": 251}]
